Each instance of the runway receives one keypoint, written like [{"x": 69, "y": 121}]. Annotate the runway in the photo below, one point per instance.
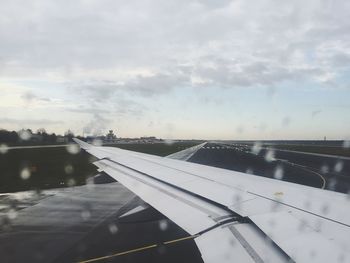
[{"x": 320, "y": 171}]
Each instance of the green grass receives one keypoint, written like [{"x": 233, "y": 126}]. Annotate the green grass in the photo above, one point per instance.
[{"x": 48, "y": 165}]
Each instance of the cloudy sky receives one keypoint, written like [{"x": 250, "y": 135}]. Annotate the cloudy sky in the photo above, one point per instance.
[{"x": 215, "y": 69}]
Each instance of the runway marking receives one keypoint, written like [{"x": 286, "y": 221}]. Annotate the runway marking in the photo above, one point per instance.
[
  {"x": 138, "y": 249},
  {"x": 319, "y": 175}
]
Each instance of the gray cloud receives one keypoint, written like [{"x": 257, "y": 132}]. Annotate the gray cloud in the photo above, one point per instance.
[
  {"x": 68, "y": 38},
  {"x": 31, "y": 97}
]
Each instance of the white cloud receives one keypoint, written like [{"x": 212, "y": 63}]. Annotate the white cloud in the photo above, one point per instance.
[{"x": 103, "y": 53}]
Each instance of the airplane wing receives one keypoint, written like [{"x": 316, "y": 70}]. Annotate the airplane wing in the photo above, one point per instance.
[{"x": 234, "y": 216}]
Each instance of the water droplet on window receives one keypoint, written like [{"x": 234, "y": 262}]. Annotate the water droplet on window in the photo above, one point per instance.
[
  {"x": 3, "y": 148},
  {"x": 332, "y": 182},
  {"x": 12, "y": 214},
  {"x": 90, "y": 182},
  {"x": 324, "y": 169},
  {"x": 346, "y": 144},
  {"x": 68, "y": 169},
  {"x": 341, "y": 258},
  {"x": 113, "y": 228},
  {"x": 256, "y": 148},
  {"x": 97, "y": 142},
  {"x": 161, "y": 249},
  {"x": 24, "y": 135},
  {"x": 272, "y": 223},
  {"x": 286, "y": 121},
  {"x": 249, "y": 171},
  {"x": 312, "y": 253},
  {"x": 278, "y": 174},
  {"x": 302, "y": 225},
  {"x": 71, "y": 182},
  {"x": 270, "y": 155},
  {"x": 73, "y": 148},
  {"x": 25, "y": 173},
  {"x": 318, "y": 225},
  {"x": 325, "y": 209},
  {"x": 163, "y": 225},
  {"x": 169, "y": 142},
  {"x": 307, "y": 204},
  {"x": 338, "y": 167},
  {"x": 348, "y": 195},
  {"x": 85, "y": 214}
]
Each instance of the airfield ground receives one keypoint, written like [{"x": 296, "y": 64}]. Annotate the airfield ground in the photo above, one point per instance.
[
  {"x": 57, "y": 168},
  {"x": 58, "y": 229}
]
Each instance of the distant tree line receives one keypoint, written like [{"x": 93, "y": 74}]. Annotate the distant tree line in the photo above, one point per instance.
[{"x": 26, "y": 136}]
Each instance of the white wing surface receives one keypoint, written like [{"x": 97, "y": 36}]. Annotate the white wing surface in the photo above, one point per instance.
[{"x": 236, "y": 217}]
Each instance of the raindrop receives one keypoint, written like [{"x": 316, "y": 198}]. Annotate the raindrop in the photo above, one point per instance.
[
  {"x": 318, "y": 226},
  {"x": 12, "y": 214},
  {"x": 68, "y": 169},
  {"x": 161, "y": 249},
  {"x": 270, "y": 155},
  {"x": 90, "y": 182},
  {"x": 256, "y": 148},
  {"x": 338, "y": 167},
  {"x": 5, "y": 224},
  {"x": 237, "y": 198},
  {"x": 97, "y": 142},
  {"x": 73, "y": 148},
  {"x": 85, "y": 214},
  {"x": 240, "y": 129},
  {"x": 324, "y": 169},
  {"x": 307, "y": 204},
  {"x": 272, "y": 223},
  {"x": 71, "y": 182},
  {"x": 341, "y": 257},
  {"x": 163, "y": 225},
  {"x": 3, "y": 148},
  {"x": 332, "y": 182},
  {"x": 302, "y": 225},
  {"x": 346, "y": 144},
  {"x": 348, "y": 196},
  {"x": 278, "y": 174},
  {"x": 113, "y": 228},
  {"x": 249, "y": 171},
  {"x": 169, "y": 142},
  {"x": 286, "y": 121},
  {"x": 24, "y": 135},
  {"x": 25, "y": 173},
  {"x": 275, "y": 205},
  {"x": 313, "y": 254},
  {"x": 325, "y": 209}
]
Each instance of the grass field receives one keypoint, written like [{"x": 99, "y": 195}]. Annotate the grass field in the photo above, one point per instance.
[
  {"x": 44, "y": 168},
  {"x": 331, "y": 150}
]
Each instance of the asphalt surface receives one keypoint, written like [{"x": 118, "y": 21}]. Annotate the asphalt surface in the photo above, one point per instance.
[
  {"x": 84, "y": 224},
  {"x": 328, "y": 172}
]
